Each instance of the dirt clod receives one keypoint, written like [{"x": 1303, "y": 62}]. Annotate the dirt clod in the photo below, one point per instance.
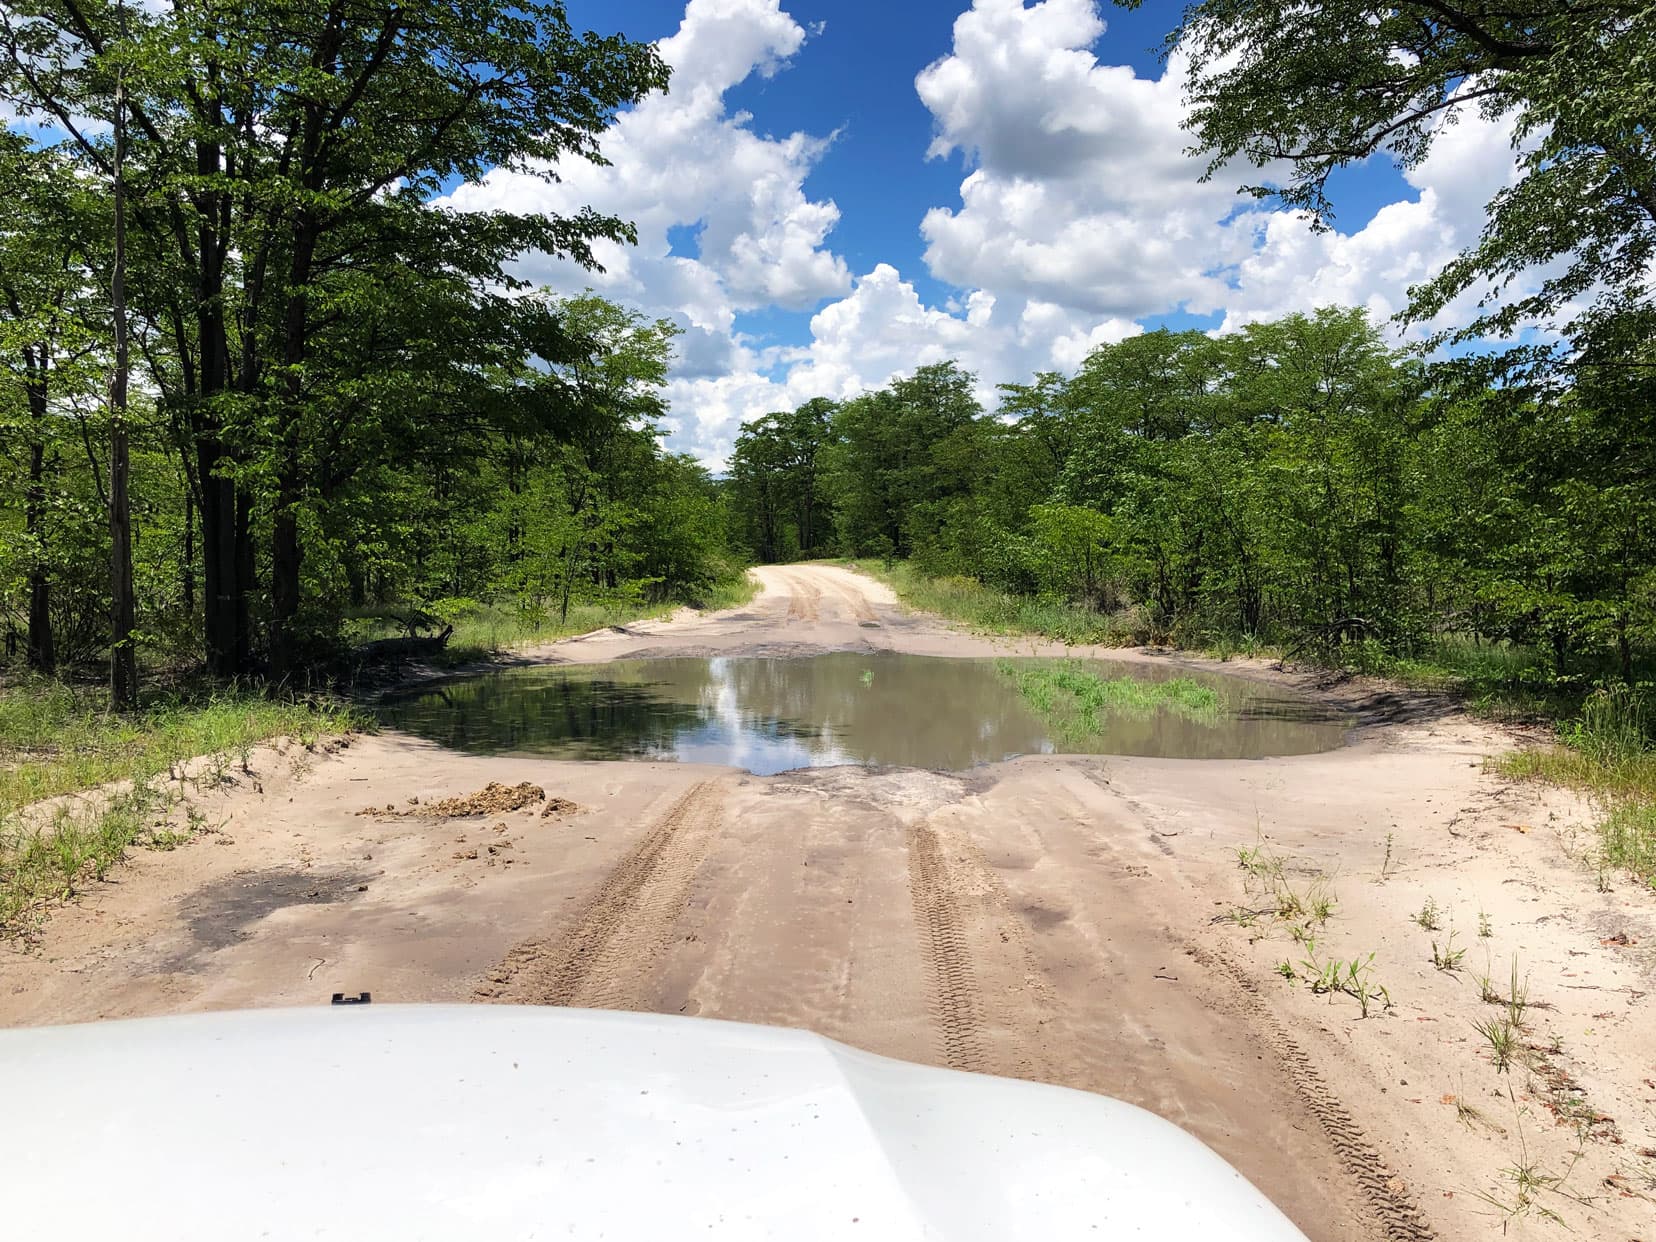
[
  {"x": 493, "y": 799},
  {"x": 559, "y": 806}
]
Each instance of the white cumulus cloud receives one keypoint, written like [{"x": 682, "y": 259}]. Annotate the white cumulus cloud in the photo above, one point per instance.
[
  {"x": 1081, "y": 192},
  {"x": 1079, "y": 215},
  {"x": 682, "y": 160}
]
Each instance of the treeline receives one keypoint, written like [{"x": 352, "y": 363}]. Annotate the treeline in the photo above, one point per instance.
[
  {"x": 323, "y": 390},
  {"x": 1296, "y": 482}
]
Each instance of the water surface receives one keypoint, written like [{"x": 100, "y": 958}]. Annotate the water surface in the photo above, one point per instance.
[{"x": 769, "y": 715}]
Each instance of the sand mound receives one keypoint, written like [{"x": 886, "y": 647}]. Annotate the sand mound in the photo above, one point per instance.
[{"x": 493, "y": 799}]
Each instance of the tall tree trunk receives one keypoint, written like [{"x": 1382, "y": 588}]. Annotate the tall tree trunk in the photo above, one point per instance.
[
  {"x": 285, "y": 561},
  {"x": 286, "y": 554},
  {"x": 123, "y": 660},
  {"x": 42, "y": 652},
  {"x": 224, "y": 580},
  {"x": 221, "y": 599},
  {"x": 189, "y": 577},
  {"x": 245, "y": 573},
  {"x": 226, "y": 562}
]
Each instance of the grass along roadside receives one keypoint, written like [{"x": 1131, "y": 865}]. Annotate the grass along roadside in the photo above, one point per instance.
[
  {"x": 1607, "y": 754},
  {"x": 1605, "y": 735},
  {"x": 996, "y": 612},
  {"x": 482, "y": 630},
  {"x": 57, "y": 741},
  {"x": 1497, "y": 680}
]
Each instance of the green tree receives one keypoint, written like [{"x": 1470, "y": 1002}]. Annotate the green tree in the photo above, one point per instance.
[
  {"x": 51, "y": 342},
  {"x": 280, "y": 152},
  {"x": 902, "y": 455},
  {"x": 778, "y": 472},
  {"x": 1303, "y": 89}
]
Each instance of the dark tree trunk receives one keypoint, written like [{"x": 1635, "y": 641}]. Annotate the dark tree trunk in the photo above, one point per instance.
[
  {"x": 245, "y": 573},
  {"x": 42, "y": 652},
  {"x": 286, "y": 554},
  {"x": 123, "y": 659},
  {"x": 226, "y": 562},
  {"x": 189, "y": 577},
  {"x": 224, "y": 603}
]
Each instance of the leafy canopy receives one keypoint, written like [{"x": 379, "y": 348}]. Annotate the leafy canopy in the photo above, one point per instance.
[{"x": 1299, "y": 90}]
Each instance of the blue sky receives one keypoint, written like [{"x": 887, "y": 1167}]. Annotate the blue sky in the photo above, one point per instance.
[{"x": 836, "y": 192}]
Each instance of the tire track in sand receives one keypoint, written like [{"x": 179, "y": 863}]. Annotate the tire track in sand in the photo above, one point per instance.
[
  {"x": 859, "y": 605},
  {"x": 944, "y": 951},
  {"x": 1396, "y": 1212},
  {"x": 598, "y": 962},
  {"x": 804, "y": 597}
]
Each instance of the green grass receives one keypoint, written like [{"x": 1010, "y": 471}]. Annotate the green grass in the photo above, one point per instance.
[
  {"x": 57, "y": 740},
  {"x": 495, "y": 628},
  {"x": 1078, "y": 702},
  {"x": 997, "y": 612},
  {"x": 1607, "y": 753},
  {"x": 733, "y": 590},
  {"x": 1498, "y": 680},
  {"x": 484, "y": 630}
]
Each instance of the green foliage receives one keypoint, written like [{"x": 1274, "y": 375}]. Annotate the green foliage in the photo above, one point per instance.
[
  {"x": 900, "y": 457},
  {"x": 1305, "y": 89},
  {"x": 779, "y": 485},
  {"x": 1295, "y": 487},
  {"x": 339, "y": 375},
  {"x": 1079, "y": 700},
  {"x": 1001, "y": 612}
]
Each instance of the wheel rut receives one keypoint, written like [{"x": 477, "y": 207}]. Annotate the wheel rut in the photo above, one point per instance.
[
  {"x": 804, "y": 599},
  {"x": 1396, "y": 1213},
  {"x": 945, "y": 951},
  {"x": 601, "y": 959}
]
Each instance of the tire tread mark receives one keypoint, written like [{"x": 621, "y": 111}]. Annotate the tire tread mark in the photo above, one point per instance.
[
  {"x": 944, "y": 951},
  {"x": 1399, "y": 1217},
  {"x": 624, "y": 925}
]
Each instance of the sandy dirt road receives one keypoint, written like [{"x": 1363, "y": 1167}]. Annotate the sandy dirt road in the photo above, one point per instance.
[{"x": 1080, "y": 920}]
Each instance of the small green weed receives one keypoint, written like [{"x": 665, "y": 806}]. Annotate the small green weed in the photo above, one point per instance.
[
  {"x": 1487, "y": 991},
  {"x": 1527, "y": 1181},
  {"x": 1354, "y": 978},
  {"x": 1448, "y": 957},
  {"x": 1517, "y": 999},
  {"x": 1502, "y": 1038}
]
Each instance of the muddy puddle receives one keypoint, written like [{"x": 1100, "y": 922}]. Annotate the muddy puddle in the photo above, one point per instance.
[{"x": 771, "y": 715}]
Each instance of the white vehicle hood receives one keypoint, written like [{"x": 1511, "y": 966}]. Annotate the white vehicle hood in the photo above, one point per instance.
[{"x": 485, "y": 1122}]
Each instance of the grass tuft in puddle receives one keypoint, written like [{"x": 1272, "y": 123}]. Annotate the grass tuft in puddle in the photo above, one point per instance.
[{"x": 1077, "y": 702}]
